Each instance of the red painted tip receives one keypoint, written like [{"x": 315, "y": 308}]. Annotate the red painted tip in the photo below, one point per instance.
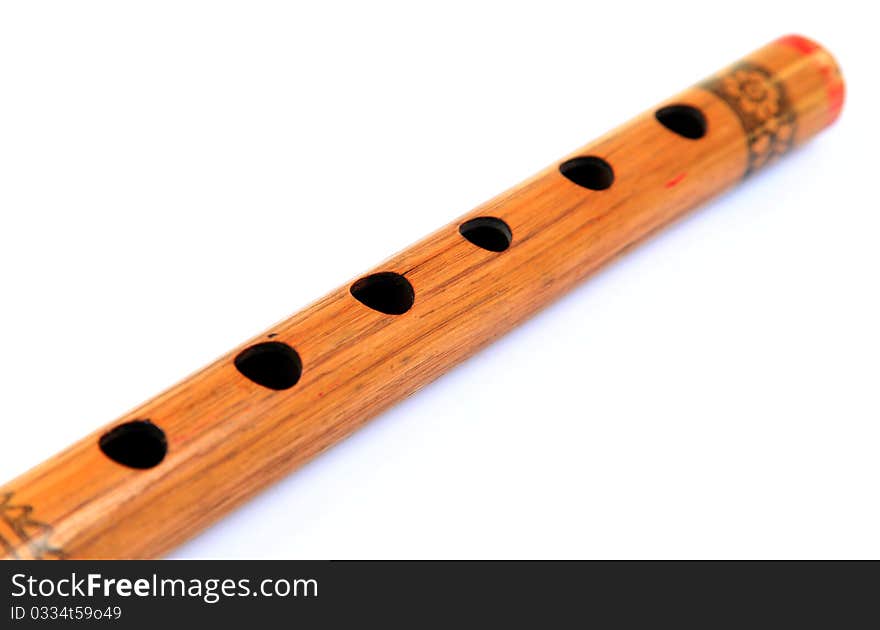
[
  {"x": 836, "y": 95},
  {"x": 834, "y": 87},
  {"x": 800, "y": 43}
]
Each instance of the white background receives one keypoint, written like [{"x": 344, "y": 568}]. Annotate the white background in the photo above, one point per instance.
[{"x": 177, "y": 176}]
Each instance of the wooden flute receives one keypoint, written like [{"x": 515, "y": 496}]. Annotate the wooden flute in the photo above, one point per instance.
[{"x": 169, "y": 468}]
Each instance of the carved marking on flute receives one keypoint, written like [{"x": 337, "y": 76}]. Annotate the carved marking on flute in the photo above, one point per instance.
[
  {"x": 763, "y": 108},
  {"x": 17, "y": 525}
]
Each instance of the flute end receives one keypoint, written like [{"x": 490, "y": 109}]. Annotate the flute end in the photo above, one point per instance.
[{"x": 824, "y": 63}]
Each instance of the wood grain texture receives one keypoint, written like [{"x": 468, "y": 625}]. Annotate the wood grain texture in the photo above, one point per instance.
[{"x": 229, "y": 437}]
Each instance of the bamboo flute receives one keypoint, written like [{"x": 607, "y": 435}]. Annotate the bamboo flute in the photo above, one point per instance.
[{"x": 163, "y": 472}]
